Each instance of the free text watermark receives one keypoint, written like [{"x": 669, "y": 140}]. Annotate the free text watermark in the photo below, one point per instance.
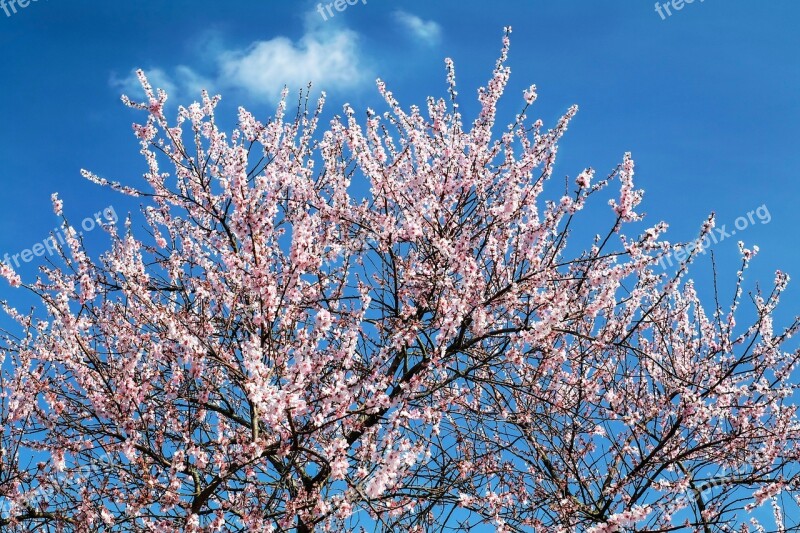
[
  {"x": 338, "y": 5},
  {"x": 669, "y": 5},
  {"x": 51, "y": 244},
  {"x": 717, "y": 235},
  {"x": 9, "y": 7}
]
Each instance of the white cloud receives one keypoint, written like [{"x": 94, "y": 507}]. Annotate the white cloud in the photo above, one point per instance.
[
  {"x": 425, "y": 30},
  {"x": 330, "y": 59},
  {"x": 191, "y": 82}
]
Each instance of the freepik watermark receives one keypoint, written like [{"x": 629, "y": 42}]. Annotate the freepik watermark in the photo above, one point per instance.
[
  {"x": 9, "y": 7},
  {"x": 338, "y": 5},
  {"x": 68, "y": 477},
  {"x": 51, "y": 244},
  {"x": 726, "y": 478},
  {"x": 677, "y": 5},
  {"x": 717, "y": 235}
]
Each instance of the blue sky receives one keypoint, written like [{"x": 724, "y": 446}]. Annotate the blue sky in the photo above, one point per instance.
[{"x": 705, "y": 99}]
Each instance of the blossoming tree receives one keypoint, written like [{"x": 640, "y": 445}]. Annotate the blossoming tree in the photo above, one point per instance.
[{"x": 382, "y": 325}]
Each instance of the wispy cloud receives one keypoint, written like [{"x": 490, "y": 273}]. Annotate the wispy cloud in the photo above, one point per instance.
[
  {"x": 329, "y": 59},
  {"x": 130, "y": 84},
  {"x": 182, "y": 80},
  {"x": 427, "y": 31}
]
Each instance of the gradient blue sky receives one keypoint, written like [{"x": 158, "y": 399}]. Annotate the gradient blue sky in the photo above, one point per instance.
[{"x": 706, "y": 99}]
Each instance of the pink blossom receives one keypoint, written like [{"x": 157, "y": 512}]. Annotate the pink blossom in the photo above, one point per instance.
[{"x": 58, "y": 204}]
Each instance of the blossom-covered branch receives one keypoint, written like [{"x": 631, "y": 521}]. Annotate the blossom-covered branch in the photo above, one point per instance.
[{"x": 384, "y": 323}]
